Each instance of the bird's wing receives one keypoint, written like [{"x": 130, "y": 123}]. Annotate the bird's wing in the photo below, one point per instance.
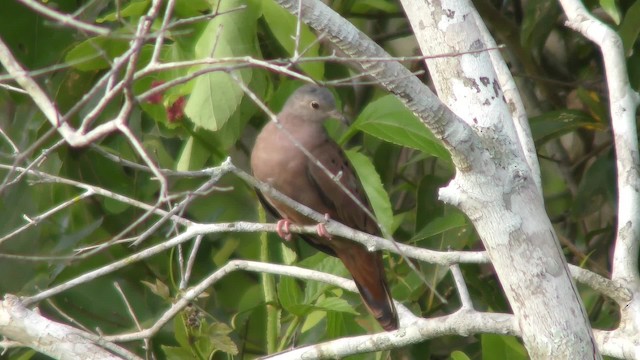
[{"x": 345, "y": 209}]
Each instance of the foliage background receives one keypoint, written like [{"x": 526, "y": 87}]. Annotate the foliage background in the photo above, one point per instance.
[{"x": 199, "y": 123}]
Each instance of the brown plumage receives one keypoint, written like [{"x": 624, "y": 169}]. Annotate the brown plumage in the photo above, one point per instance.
[{"x": 277, "y": 161}]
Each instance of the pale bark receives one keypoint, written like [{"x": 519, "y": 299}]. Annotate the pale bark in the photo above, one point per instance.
[
  {"x": 623, "y": 103},
  {"x": 503, "y": 200},
  {"x": 28, "y": 328}
]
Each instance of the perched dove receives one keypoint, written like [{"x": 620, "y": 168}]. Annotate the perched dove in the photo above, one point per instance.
[{"x": 276, "y": 160}]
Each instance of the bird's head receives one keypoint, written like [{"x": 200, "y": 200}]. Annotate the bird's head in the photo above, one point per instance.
[{"x": 312, "y": 103}]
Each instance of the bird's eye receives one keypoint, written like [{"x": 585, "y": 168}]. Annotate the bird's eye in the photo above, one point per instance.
[{"x": 315, "y": 105}]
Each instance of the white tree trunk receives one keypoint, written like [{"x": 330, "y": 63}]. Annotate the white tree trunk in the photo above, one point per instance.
[{"x": 499, "y": 193}]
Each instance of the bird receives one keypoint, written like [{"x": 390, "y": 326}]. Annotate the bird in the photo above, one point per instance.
[{"x": 279, "y": 162}]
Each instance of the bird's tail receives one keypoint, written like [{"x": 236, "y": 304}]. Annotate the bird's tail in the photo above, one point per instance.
[{"x": 367, "y": 271}]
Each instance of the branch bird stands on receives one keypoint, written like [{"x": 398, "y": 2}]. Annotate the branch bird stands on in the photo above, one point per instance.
[{"x": 287, "y": 155}]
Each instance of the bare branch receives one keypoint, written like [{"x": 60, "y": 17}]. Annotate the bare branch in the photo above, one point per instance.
[{"x": 56, "y": 340}]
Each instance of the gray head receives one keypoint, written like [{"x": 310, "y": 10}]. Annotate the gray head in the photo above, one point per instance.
[{"x": 312, "y": 103}]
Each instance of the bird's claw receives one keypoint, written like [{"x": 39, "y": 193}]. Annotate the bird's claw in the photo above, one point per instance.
[
  {"x": 282, "y": 228},
  {"x": 321, "y": 230}
]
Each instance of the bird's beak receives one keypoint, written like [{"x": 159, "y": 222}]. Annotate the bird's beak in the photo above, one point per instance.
[{"x": 335, "y": 114}]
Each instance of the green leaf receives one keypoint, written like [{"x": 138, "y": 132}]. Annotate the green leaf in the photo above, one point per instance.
[
  {"x": 440, "y": 225},
  {"x": 92, "y": 54},
  {"x": 373, "y": 187},
  {"x": 539, "y": 19},
  {"x": 159, "y": 288},
  {"x": 502, "y": 347},
  {"x": 173, "y": 352},
  {"x": 35, "y": 40},
  {"x": 222, "y": 255},
  {"x": 459, "y": 355},
  {"x": 133, "y": 9},
  {"x": 335, "y": 304},
  {"x": 340, "y": 324},
  {"x": 69, "y": 241},
  {"x": 219, "y": 339},
  {"x": 312, "y": 319},
  {"x": 290, "y": 296},
  {"x": 633, "y": 66},
  {"x": 229, "y": 134},
  {"x": 428, "y": 206},
  {"x": 610, "y": 7},
  {"x": 216, "y": 96},
  {"x": 598, "y": 107},
  {"x": 596, "y": 187},
  {"x": 630, "y": 27},
  {"x": 320, "y": 262},
  {"x": 193, "y": 156},
  {"x": 283, "y": 26},
  {"x": 388, "y": 119},
  {"x": 191, "y": 8},
  {"x": 363, "y": 6},
  {"x": 336, "y": 326},
  {"x": 180, "y": 332},
  {"x": 554, "y": 124}
]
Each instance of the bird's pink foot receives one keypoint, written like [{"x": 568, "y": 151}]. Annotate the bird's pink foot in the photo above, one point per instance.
[
  {"x": 321, "y": 230},
  {"x": 282, "y": 228}
]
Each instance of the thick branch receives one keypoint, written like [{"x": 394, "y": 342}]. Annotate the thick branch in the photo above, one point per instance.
[
  {"x": 623, "y": 104},
  {"x": 56, "y": 340}
]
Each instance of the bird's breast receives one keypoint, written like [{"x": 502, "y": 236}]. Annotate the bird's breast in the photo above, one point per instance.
[{"x": 276, "y": 160}]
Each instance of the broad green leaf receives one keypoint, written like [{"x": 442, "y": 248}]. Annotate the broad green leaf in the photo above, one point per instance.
[
  {"x": 92, "y": 54},
  {"x": 596, "y": 187},
  {"x": 283, "y": 26},
  {"x": 28, "y": 354},
  {"x": 71, "y": 240},
  {"x": 191, "y": 8},
  {"x": 290, "y": 295},
  {"x": 428, "y": 206},
  {"x": 373, "y": 187},
  {"x": 336, "y": 326},
  {"x": 362, "y": 6},
  {"x": 229, "y": 134},
  {"x": 312, "y": 319},
  {"x": 216, "y": 95},
  {"x": 598, "y": 107},
  {"x": 459, "y": 355},
  {"x": 219, "y": 339},
  {"x": 502, "y": 347},
  {"x": 159, "y": 288},
  {"x": 173, "y": 352},
  {"x": 633, "y": 66},
  {"x": 222, "y": 255},
  {"x": 340, "y": 324},
  {"x": 335, "y": 304},
  {"x": 440, "y": 225},
  {"x": 539, "y": 19},
  {"x": 388, "y": 119},
  {"x": 330, "y": 304},
  {"x": 192, "y": 157},
  {"x": 320, "y": 262},
  {"x": 180, "y": 332},
  {"x": 610, "y": 7},
  {"x": 554, "y": 124},
  {"x": 133, "y": 9},
  {"x": 35, "y": 40},
  {"x": 630, "y": 27}
]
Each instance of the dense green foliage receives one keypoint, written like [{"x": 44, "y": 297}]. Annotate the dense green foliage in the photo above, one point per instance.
[{"x": 199, "y": 123}]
